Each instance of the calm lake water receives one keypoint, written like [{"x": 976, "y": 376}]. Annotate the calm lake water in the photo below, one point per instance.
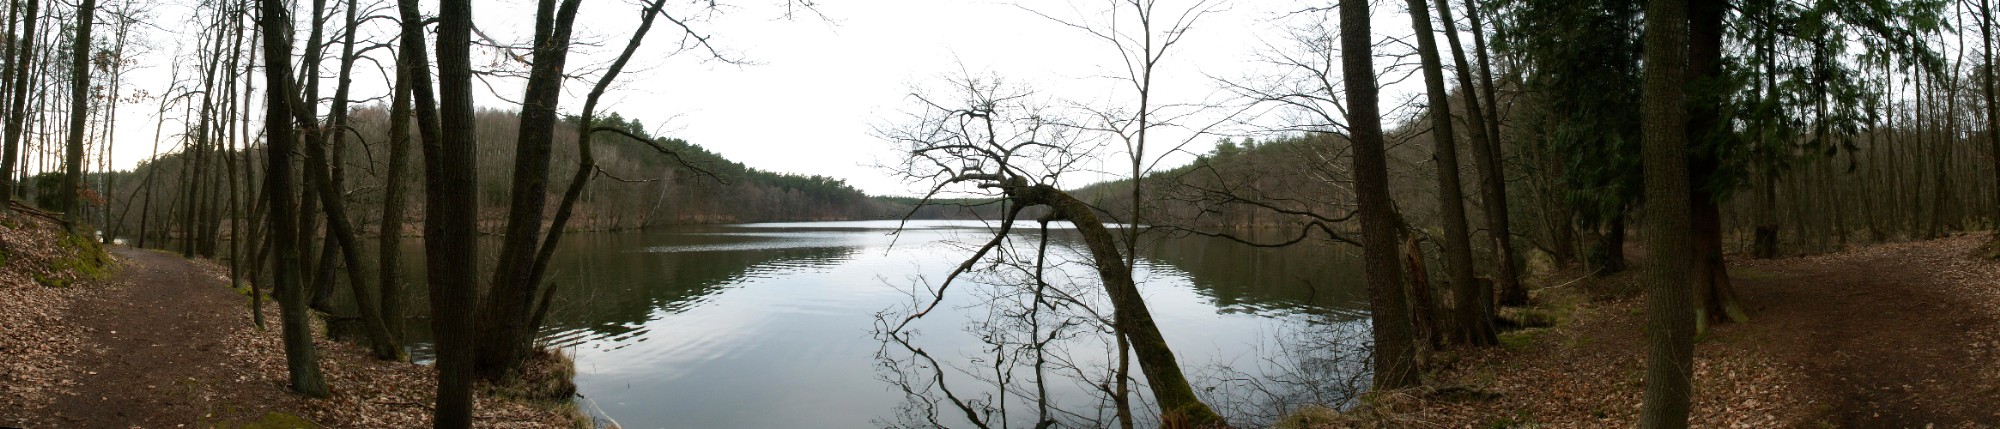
[{"x": 782, "y": 325}]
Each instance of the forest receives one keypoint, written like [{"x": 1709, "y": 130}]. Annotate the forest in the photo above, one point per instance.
[{"x": 1698, "y": 196}]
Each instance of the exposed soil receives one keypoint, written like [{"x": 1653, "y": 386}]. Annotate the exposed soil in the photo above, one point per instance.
[
  {"x": 1899, "y": 335},
  {"x": 153, "y": 353},
  {"x": 1902, "y": 335},
  {"x": 165, "y": 342}
]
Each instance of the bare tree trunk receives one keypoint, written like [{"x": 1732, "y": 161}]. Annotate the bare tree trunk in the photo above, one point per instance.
[
  {"x": 1765, "y": 234},
  {"x": 394, "y": 200},
  {"x": 451, "y": 213},
  {"x": 1470, "y": 321},
  {"x": 18, "y": 114},
  {"x": 1715, "y": 298},
  {"x": 1395, "y": 357},
  {"x": 1512, "y": 291},
  {"x": 586, "y": 160},
  {"x": 299, "y": 354},
  {"x": 504, "y": 316},
  {"x": 340, "y": 231},
  {"x": 79, "y": 106},
  {"x": 1992, "y": 115},
  {"x": 1669, "y": 307},
  {"x": 1129, "y": 313},
  {"x": 1486, "y": 160}
]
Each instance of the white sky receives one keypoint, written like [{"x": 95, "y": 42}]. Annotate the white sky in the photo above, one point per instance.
[{"x": 817, "y": 87}]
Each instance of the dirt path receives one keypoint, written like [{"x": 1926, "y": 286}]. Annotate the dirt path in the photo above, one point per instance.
[
  {"x": 1902, "y": 335},
  {"x": 1893, "y": 336},
  {"x": 153, "y": 355},
  {"x": 165, "y": 343}
]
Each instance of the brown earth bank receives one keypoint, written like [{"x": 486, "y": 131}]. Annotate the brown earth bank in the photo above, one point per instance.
[
  {"x": 1901, "y": 335},
  {"x": 164, "y": 341}
]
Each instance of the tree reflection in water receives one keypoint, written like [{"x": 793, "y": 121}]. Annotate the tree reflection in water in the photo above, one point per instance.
[{"x": 1044, "y": 352}]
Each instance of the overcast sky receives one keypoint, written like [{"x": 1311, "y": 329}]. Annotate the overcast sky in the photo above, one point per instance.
[{"x": 816, "y": 84}]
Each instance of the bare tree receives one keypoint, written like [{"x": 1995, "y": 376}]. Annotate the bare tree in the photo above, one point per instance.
[
  {"x": 505, "y": 312},
  {"x": 300, "y": 357},
  {"x": 1486, "y": 160},
  {"x": 996, "y": 143},
  {"x": 1992, "y": 114},
  {"x": 340, "y": 230},
  {"x": 451, "y": 233},
  {"x": 395, "y": 199},
  {"x": 1470, "y": 318}
]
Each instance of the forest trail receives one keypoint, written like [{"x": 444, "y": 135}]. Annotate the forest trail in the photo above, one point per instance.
[
  {"x": 166, "y": 343},
  {"x": 1896, "y": 335},
  {"x": 154, "y": 352},
  {"x": 1899, "y": 335}
]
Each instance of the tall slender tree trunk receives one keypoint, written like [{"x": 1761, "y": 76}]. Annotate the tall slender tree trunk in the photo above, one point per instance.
[
  {"x": 451, "y": 213},
  {"x": 508, "y": 305},
  {"x": 299, "y": 354},
  {"x": 1764, "y": 240},
  {"x": 394, "y": 199},
  {"x": 1992, "y": 115},
  {"x": 340, "y": 232},
  {"x": 586, "y": 159},
  {"x": 18, "y": 114},
  {"x": 79, "y": 106},
  {"x": 1486, "y": 160},
  {"x": 1395, "y": 357},
  {"x": 1470, "y": 319},
  {"x": 1512, "y": 292}
]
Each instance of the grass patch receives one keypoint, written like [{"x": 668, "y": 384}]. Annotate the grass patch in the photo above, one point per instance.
[
  {"x": 1518, "y": 340},
  {"x": 81, "y": 258},
  {"x": 278, "y": 420}
]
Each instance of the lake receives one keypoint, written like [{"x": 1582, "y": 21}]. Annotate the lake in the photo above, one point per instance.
[{"x": 782, "y": 325}]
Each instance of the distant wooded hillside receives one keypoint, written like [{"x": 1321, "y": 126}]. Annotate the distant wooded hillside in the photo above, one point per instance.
[{"x": 667, "y": 182}]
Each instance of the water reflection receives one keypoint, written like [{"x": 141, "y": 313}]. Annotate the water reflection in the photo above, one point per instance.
[{"x": 773, "y": 325}]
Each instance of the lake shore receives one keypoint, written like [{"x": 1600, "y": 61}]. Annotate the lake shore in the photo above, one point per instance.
[
  {"x": 161, "y": 341},
  {"x": 1889, "y": 335}
]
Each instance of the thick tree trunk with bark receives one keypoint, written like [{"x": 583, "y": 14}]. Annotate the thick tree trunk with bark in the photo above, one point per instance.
[
  {"x": 1669, "y": 310},
  {"x": 505, "y": 315},
  {"x": 1395, "y": 357},
  {"x": 586, "y": 161},
  {"x": 451, "y": 245},
  {"x": 1715, "y": 298},
  {"x": 79, "y": 113},
  {"x": 1470, "y": 322}
]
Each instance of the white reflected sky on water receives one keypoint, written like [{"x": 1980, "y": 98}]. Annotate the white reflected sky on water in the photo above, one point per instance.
[{"x": 789, "y": 344}]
